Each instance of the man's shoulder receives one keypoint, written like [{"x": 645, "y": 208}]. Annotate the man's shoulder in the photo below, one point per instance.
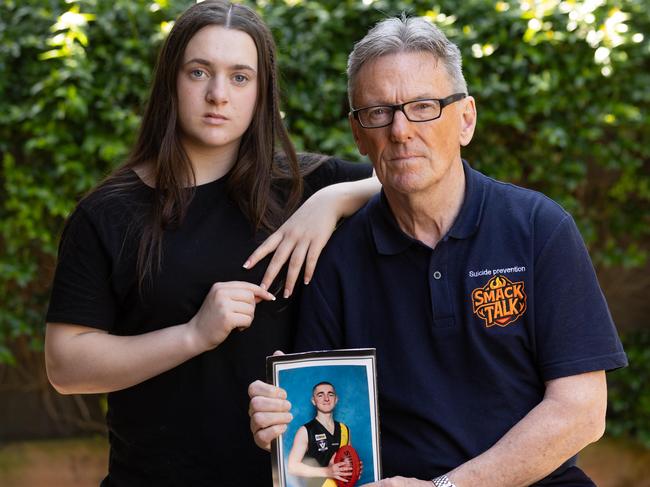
[
  {"x": 320, "y": 171},
  {"x": 507, "y": 199},
  {"x": 348, "y": 252},
  {"x": 354, "y": 232}
]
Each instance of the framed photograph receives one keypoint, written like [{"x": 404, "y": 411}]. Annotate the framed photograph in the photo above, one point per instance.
[{"x": 334, "y": 434}]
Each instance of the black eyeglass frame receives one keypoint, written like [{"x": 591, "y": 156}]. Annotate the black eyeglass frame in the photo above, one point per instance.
[{"x": 443, "y": 102}]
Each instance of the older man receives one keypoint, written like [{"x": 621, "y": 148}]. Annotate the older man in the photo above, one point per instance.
[{"x": 492, "y": 334}]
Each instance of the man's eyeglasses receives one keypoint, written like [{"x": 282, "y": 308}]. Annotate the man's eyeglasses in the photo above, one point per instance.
[{"x": 415, "y": 111}]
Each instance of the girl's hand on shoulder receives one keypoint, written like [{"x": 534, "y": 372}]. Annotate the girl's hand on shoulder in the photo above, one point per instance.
[{"x": 299, "y": 240}]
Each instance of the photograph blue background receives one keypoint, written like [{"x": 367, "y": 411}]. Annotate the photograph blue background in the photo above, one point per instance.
[{"x": 353, "y": 407}]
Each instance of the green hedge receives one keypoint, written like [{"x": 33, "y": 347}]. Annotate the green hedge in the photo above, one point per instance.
[
  {"x": 563, "y": 104},
  {"x": 562, "y": 94},
  {"x": 629, "y": 395},
  {"x": 72, "y": 89}
]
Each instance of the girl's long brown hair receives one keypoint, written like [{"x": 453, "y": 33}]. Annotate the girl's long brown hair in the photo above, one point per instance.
[{"x": 252, "y": 180}]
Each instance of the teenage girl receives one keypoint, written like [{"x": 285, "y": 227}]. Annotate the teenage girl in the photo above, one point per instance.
[{"x": 150, "y": 302}]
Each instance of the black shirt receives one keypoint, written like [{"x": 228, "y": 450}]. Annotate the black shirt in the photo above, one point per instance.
[{"x": 189, "y": 425}]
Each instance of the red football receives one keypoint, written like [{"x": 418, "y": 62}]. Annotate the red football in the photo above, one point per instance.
[{"x": 348, "y": 454}]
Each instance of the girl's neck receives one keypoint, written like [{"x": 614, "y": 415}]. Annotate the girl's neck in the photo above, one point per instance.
[{"x": 210, "y": 164}]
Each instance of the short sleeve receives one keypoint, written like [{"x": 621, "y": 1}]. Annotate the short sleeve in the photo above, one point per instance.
[
  {"x": 574, "y": 330},
  {"x": 333, "y": 171},
  {"x": 81, "y": 291}
]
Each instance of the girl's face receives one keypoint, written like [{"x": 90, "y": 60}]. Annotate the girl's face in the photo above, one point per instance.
[{"x": 217, "y": 90}]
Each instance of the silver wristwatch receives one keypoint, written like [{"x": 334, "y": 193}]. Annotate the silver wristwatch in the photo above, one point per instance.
[{"x": 442, "y": 481}]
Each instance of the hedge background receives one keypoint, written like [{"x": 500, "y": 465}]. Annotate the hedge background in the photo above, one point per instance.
[{"x": 563, "y": 97}]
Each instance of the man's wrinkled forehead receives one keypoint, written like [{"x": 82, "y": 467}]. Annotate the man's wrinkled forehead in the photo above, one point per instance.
[{"x": 367, "y": 78}]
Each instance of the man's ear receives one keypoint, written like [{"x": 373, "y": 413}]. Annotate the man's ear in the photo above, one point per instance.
[
  {"x": 467, "y": 120},
  {"x": 312, "y": 401},
  {"x": 356, "y": 132}
]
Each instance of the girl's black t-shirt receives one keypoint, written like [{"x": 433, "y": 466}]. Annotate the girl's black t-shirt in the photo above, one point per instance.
[{"x": 189, "y": 425}]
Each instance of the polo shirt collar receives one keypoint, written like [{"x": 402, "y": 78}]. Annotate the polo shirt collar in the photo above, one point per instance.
[
  {"x": 389, "y": 237},
  {"x": 469, "y": 217}
]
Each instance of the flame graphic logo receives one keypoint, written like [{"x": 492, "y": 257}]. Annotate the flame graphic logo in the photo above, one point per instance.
[
  {"x": 500, "y": 302},
  {"x": 498, "y": 281}
]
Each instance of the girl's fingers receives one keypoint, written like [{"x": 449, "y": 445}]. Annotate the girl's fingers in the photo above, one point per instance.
[
  {"x": 295, "y": 264},
  {"x": 241, "y": 291},
  {"x": 315, "y": 250},
  {"x": 282, "y": 254},
  {"x": 268, "y": 246}
]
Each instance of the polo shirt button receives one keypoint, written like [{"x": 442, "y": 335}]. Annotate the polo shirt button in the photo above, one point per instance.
[{"x": 437, "y": 275}]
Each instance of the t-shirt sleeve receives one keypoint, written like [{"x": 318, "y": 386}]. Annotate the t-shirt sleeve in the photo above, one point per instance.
[
  {"x": 574, "y": 330},
  {"x": 81, "y": 291},
  {"x": 333, "y": 171}
]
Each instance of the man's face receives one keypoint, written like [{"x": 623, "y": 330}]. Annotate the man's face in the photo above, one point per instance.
[
  {"x": 324, "y": 398},
  {"x": 411, "y": 157}
]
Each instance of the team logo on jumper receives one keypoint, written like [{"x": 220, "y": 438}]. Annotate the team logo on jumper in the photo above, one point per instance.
[
  {"x": 321, "y": 441},
  {"x": 499, "y": 302}
]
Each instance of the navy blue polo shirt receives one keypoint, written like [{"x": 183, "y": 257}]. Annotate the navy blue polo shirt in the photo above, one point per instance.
[{"x": 466, "y": 333}]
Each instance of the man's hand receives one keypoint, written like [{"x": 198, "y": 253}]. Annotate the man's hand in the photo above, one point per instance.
[
  {"x": 400, "y": 482},
  {"x": 269, "y": 412}
]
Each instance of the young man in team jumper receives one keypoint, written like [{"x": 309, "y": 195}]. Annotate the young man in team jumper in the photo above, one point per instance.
[{"x": 318, "y": 440}]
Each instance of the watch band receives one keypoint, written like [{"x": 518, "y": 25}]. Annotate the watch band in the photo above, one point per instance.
[{"x": 442, "y": 481}]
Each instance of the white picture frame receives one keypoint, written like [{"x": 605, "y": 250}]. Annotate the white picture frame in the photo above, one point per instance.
[{"x": 352, "y": 373}]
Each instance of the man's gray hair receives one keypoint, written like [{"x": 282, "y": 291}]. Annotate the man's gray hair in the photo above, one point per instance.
[{"x": 404, "y": 34}]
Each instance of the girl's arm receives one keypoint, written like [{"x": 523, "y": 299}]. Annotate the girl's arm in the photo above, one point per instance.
[
  {"x": 302, "y": 237},
  {"x": 84, "y": 360}
]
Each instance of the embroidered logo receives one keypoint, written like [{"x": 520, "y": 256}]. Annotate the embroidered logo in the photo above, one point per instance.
[
  {"x": 499, "y": 302},
  {"x": 322, "y": 446}
]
